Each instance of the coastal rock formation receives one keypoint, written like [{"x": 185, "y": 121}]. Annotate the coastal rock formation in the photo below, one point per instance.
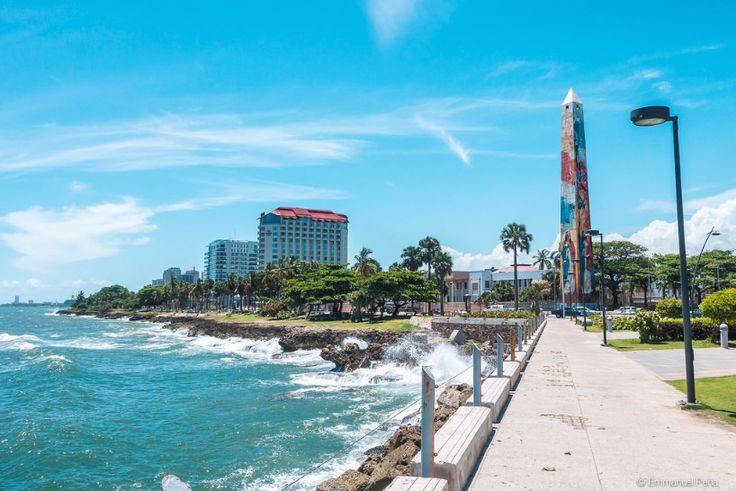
[
  {"x": 350, "y": 357},
  {"x": 393, "y": 458}
]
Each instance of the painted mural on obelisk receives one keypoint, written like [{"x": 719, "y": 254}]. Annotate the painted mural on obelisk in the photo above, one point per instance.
[{"x": 574, "y": 205}]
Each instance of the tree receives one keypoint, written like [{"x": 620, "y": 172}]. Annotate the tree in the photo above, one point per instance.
[
  {"x": 624, "y": 262},
  {"x": 399, "y": 286},
  {"x": 515, "y": 237},
  {"x": 552, "y": 277},
  {"x": 412, "y": 258},
  {"x": 532, "y": 294},
  {"x": 443, "y": 268},
  {"x": 543, "y": 259},
  {"x": 429, "y": 247},
  {"x": 485, "y": 299},
  {"x": 667, "y": 272},
  {"x": 330, "y": 284},
  {"x": 502, "y": 291},
  {"x": 152, "y": 296},
  {"x": 364, "y": 264}
]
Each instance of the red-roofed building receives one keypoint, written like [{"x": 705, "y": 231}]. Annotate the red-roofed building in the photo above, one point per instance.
[{"x": 304, "y": 233}]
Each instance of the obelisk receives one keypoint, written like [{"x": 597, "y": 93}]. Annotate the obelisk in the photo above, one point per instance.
[{"x": 576, "y": 275}]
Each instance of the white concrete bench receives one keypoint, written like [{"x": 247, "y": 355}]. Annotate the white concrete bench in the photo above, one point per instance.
[
  {"x": 458, "y": 446},
  {"x": 494, "y": 393},
  {"x": 511, "y": 369},
  {"x": 523, "y": 356},
  {"x": 407, "y": 483}
]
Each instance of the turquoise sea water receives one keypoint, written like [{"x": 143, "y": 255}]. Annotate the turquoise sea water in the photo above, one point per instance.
[{"x": 88, "y": 403}]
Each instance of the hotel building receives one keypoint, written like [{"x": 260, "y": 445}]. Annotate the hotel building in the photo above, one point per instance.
[
  {"x": 226, "y": 256},
  {"x": 308, "y": 235}
]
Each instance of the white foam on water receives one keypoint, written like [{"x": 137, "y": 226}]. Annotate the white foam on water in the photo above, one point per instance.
[
  {"x": 23, "y": 342},
  {"x": 362, "y": 343},
  {"x": 86, "y": 343}
]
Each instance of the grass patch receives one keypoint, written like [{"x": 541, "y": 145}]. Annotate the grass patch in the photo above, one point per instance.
[
  {"x": 636, "y": 345},
  {"x": 393, "y": 325},
  {"x": 717, "y": 393}
]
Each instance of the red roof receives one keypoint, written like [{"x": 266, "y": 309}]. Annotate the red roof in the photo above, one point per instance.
[
  {"x": 519, "y": 268},
  {"x": 324, "y": 215}
]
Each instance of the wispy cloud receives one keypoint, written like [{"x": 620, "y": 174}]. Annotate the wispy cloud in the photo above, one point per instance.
[
  {"x": 679, "y": 52},
  {"x": 452, "y": 143},
  {"x": 77, "y": 186},
  {"x": 390, "y": 19},
  {"x": 541, "y": 70},
  {"x": 175, "y": 141}
]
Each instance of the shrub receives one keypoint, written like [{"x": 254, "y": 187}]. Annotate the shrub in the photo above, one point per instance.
[
  {"x": 669, "y": 308},
  {"x": 274, "y": 308},
  {"x": 647, "y": 323},
  {"x": 721, "y": 306},
  {"x": 702, "y": 328}
]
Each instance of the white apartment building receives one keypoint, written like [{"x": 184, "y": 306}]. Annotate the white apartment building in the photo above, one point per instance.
[
  {"x": 308, "y": 235},
  {"x": 228, "y": 256}
]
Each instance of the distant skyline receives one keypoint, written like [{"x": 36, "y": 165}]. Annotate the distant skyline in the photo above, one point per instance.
[{"x": 133, "y": 134}]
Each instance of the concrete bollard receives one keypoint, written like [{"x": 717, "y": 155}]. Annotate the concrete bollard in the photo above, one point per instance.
[
  {"x": 499, "y": 355},
  {"x": 427, "y": 422},
  {"x": 724, "y": 336},
  {"x": 476, "y": 376},
  {"x": 519, "y": 339},
  {"x": 610, "y": 323}
]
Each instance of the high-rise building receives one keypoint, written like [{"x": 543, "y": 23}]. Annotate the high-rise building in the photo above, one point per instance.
[
  {"x": 16, "y": 300},
  {"x": 226, "y": 256},
  {"x": 308, "y": 235},
  {"x": 190, "y": 276},
  {"x": 576, "y": 274},
  {"x": 171, "y": 274}
]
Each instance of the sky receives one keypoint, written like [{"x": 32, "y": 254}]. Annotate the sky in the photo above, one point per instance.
[{"x": 134, "y": 133}]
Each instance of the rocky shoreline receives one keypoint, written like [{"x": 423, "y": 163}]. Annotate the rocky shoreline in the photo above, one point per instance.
[{"x": 346, "y": 356}]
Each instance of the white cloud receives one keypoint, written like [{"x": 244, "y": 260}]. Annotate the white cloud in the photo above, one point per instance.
[
  {"x": 663, "y": 86},
  {"x": 34, "y": 283},
  {"x": 469, "y": 261},
  {"x": 77, "y": 187},
  {"x": 452, "y": 143},
  {"x": 9, "y": 283},
  {"x": 390, "y": 19},
  {"x": 660, "y": 236},
  {"x": 45, "y": 237},
  {"x": 647, "y": 74}
]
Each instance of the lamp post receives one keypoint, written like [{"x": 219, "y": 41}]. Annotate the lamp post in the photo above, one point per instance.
[
  {"x": 652, "y": 116},
  {"x": 467, "y": 303},
  {"x": 696, "y": 272},
  {"x": 602, "y": 293}
]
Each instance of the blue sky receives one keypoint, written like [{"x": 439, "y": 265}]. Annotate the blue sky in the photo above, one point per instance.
[{"x": 133, "y": 133}]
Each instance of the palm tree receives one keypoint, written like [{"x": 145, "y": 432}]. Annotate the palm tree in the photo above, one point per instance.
[
  {"x": 514, "y": 237},
  {"x": 543, "y": 259},
  {"x": 365, "y": 265},
  {"x": 443, "y": 268},
  {"x": 412, "y": 256},
  {"x": 429, "y": 247}
]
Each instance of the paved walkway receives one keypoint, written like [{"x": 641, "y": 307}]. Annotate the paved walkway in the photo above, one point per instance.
[
  {"x": 670, "y": 364},
  {"x": 587, "y": 417}
]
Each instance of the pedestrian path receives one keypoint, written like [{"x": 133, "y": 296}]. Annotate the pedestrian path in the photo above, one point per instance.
[{"x": 588, "y": 417}]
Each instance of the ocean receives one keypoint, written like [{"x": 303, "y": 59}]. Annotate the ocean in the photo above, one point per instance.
[{"x": 90, "y": 403}]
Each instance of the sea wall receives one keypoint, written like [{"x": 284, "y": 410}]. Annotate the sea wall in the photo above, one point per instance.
[{"x": 484, "y": 329}]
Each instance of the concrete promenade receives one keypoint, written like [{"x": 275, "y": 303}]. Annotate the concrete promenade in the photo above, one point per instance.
[{"x": 587, "y": 417}]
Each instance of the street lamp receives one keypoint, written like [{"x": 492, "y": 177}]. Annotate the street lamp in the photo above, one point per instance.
[
  {"x": 467, "y": 303},
  {"x": 652, "y": 116},
  {"x": 602, "y": 294},
  {"x": 715, "y": 233}
]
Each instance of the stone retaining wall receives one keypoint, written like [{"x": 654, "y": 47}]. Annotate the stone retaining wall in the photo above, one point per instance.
[{"x": 484, "y": 329}]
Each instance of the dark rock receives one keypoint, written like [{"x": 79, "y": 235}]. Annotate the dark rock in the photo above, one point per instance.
[
  {"x": 350, "y": 357},
  {"x": 348, "y": 481}
]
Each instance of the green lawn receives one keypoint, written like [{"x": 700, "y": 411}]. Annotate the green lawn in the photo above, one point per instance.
[
  {"x": 636, "y": 345},
  {"x": 717, "y": 393},
  {"x": 394, "y": 325}
]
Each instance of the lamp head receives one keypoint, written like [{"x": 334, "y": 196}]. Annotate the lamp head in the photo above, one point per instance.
[
  {"x": 650, "y": 115},
  {"x": 592, "y": 232},
  {"x": 716, "y": 233}
]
